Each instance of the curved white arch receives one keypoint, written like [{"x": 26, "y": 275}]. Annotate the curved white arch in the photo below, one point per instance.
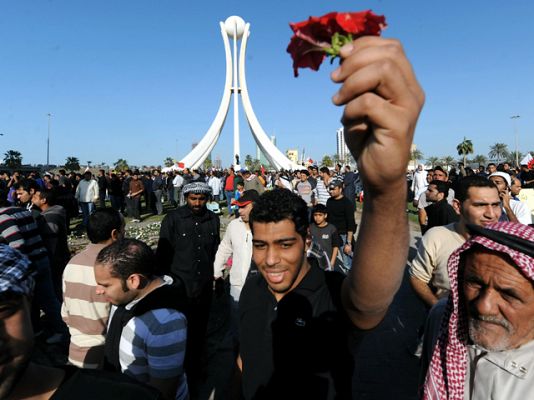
[
  {"x": 272, "y": 153},
  {"x": 202, "y": 150}
]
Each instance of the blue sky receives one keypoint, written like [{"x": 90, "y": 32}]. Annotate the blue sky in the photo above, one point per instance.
[{"x": 142, "y": 80}]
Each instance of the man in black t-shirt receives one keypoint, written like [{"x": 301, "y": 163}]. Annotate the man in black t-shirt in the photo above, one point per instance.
[
  {"x": 294, "y": 317},
  {"x": 440, "y": 212},
  {"x": 341, "y": 215}
]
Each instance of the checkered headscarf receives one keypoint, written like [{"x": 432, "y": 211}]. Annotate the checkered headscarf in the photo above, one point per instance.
[
  {"x": 445, "y": 378},
  {"x": 16, "y": 273},
  {"x": 197, "y": 188}
]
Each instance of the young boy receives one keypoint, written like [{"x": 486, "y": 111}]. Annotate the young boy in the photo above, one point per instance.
[{"x": 325, "y": 235}]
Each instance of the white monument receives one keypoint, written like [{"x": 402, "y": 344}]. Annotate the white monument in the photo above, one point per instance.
[{"x": 235, "y": 27}]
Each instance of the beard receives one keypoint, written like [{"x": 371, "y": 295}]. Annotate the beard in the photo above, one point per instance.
[{"x": 478, "y": 331}]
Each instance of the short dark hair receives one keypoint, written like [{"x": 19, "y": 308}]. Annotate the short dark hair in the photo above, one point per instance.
[
  {"x": 305, "y": 172},
  {"x": 441, "y": 186},
  {"x": 440, "y": 168},
  {"x": 49, "y": 195},
  {"x": 471, "y": 181},
  {"x": 320, "y": 208},
  {"x": 278, "y": 205},
  {"x": 101, "y": 223},
  {"x": 27, "y": 185},
  {"x": 325, "y": 170},
  {"x": 126, "y": 257}
]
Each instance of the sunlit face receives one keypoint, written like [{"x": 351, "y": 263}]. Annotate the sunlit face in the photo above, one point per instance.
[
  {"x": 439, "y": 176},
  {"x": 516, "y": 187},
  {"x": 491, "y": 169},
  {"x": 23, "y": 195},
  {"x": 428, "y": 178},
  {"x": 499, "y": 300},
  {"x": 115, "y": 290},
  {"x": 482, "y": 206},
  {"x": 279, "y": 253},
  {"x": 37, "y": 200},
  {"x": 196, "y": 202},
  {"x": 433, "y": 194},
  {"x": 500, "y": 183},
  {"x": 244, "y": 212},
  {"x": 319, "y": 218},
  {"x": 335, "y": 191},
  {"x": 16, "y": 340}
]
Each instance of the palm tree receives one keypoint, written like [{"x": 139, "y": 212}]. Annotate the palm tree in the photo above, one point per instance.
[
  {"x": 72, "y": 163},
  {"x": 121, "y": 164},
  {"x": 12, "y": 158},
  {"x": 207, "y": 163},
  {"x": 432, "y": 161},
  {"x": 415, "y": 156},
  {"x": 480, "y": 159},
  {"x": 448, "y": 161},
  {"x": 326, "y": 161},
  {"x": 498, "y": 151},
  {"x": 464, "y": 148},
  {"x": 168, "y": 162}
]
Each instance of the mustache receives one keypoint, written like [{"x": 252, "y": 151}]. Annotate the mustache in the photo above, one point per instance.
[{"x": 492, "y": 320}]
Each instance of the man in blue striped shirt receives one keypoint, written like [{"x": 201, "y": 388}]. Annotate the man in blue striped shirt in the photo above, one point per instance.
[{"x": 146, "y": 334}]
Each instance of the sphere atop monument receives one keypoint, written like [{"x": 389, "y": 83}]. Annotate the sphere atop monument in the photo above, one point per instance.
[{"x": 234, "y": 22}]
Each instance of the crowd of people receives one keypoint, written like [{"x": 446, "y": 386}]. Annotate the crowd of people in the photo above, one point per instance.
[{"x": 294, "y": 274}]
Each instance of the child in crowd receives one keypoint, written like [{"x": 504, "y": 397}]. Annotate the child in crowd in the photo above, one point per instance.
[
  {"x": 238, "y": 193},
  {"x": 325, "y": 236}
]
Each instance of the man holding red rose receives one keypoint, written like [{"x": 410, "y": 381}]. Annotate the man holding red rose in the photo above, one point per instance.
[{"x": 382, "y": 100}]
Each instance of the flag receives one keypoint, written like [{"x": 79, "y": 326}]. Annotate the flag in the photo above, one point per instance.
[{"x": 528, "y": 158}]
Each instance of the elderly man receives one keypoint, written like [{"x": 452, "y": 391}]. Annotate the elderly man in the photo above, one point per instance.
[{"x": 484, "y": 349}]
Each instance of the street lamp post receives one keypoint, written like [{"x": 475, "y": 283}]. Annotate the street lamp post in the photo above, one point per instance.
[
  {"x": 514, "y": 118},
  {"x": 48, "y": 142}
]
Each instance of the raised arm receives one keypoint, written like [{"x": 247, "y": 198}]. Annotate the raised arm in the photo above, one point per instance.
[{"x": 382, "y": 100}]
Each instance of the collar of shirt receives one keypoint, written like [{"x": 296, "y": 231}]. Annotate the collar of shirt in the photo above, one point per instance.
[
  {"x": 165, "y": 280},
  {"x": 518, "y": 362}
]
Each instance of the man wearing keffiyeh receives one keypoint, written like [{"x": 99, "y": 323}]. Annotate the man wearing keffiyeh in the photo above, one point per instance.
[{"x": 484, "y": 348}]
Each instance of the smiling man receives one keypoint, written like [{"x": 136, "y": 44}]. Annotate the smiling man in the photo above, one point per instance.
[
  {"x": 484, "y": 349},
  {"x": 294, "y": 317}
]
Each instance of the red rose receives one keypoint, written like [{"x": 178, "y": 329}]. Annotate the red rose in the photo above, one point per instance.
[
  {"x": 318, "y": 36},
  {"x": 361, "y": 23}
]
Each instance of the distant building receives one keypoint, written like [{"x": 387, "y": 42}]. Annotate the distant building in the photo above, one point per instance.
[
  {"x": 342, "y": 150},
  {"x": 293, "y": 155},
  {"x": 218, "y": 162}
]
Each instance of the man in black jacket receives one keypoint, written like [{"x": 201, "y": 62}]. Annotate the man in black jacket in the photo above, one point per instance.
[{"x": 188, "y": 241}]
